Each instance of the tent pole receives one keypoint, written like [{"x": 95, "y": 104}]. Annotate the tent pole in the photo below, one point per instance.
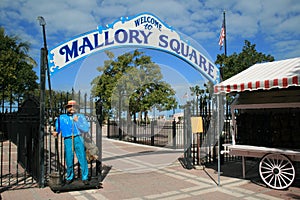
[
  {"x": 219, "y": 125},
  {"x": 218, "y": 133}
]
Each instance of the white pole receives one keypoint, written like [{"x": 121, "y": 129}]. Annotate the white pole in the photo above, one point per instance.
[{"x": 219, "y": 125}]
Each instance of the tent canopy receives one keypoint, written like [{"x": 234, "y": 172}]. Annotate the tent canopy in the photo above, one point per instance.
[{"x": 264, "y": 76}]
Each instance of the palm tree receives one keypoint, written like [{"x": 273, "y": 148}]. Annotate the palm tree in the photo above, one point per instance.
[
  {"x": 196, "y": 91},
  {"x": 17, "y": 76}
]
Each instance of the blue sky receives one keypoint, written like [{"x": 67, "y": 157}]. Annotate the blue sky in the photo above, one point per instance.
[{"x": 273, "y": 25}]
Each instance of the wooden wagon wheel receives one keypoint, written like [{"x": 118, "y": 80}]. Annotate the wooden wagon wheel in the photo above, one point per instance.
[{"x": 277, "y": 171}]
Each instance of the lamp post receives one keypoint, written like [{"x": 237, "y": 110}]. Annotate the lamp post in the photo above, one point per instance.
[
  {"x": 43, "y": 65},
  {"x": 43, "y": 24}
]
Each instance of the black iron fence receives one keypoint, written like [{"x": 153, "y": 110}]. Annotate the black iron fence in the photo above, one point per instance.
[
  {"x": 20, "y": 161},
  {"x": 162, "y": 133},
  {"x": 55, "y": 159},
  {"x": 19, "y": 130},
  {"x": 19, "y": 144},
  {"x": 171, "y": 134}
]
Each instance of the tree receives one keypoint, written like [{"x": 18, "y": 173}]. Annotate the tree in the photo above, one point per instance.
[
  {"x": 202, "y": 95},
  {"x": 196, "y": 91},
  {"x": 236, "y": 63},
  {"x": 17, "y": 77},
  {"x": 132, "y": 82}
]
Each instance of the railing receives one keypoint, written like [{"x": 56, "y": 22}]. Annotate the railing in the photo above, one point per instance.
[
  {"x": 162, "y": 133},
  {"x": 18, "y": 146},
  {"x": 169, "y": 134}
]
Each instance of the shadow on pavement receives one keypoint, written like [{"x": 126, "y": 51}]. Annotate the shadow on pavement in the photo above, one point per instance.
[{"x": 105, "y": 170}]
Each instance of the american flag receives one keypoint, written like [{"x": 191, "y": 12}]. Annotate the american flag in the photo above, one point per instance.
[{"x": 222, "y": 36}]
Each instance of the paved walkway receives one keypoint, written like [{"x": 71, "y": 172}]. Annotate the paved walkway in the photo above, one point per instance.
[{"x": 139, "y": 172}]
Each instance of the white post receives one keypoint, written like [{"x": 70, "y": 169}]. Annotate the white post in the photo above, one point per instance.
[{"x": 219, "y": 125}]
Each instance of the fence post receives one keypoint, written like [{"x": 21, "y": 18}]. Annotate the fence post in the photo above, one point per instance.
[
  {"x": 174, "y": 133},
  {"x": 187, "y": 136},
  {"x": 152, "y": 133},
  {"x": 108, "y": 128},
  {"x": 41, "y": 179},
  {"x": 99, "y": 113},
  {"x": 134, "y": 132}
]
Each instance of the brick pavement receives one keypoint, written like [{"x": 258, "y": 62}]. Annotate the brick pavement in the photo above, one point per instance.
[{"x": 138, "y": 172}]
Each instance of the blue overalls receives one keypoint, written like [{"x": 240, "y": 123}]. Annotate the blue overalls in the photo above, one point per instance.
[{"x": 68, "y": 127}]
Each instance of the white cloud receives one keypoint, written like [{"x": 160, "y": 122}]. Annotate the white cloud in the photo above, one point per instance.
[
  {"x": 241, "y": 25},
  {"x": 287, "y": 49},
  {"x": 275, "y": 20}
]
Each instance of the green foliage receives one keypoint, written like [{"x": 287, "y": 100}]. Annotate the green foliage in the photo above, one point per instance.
[
  {"x": 17, "y": 77},
  {"x": 133, "y": 82},
  {"x": 196, "y": 90},
  {"x": 235, "y": 63},
  {"x": 201, "y": 95}
]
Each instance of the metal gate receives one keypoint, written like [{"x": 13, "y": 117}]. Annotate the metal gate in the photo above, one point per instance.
[
  {"x": 21, "y": 162},
  {"x": 19, "y": 145},
  {"x": 54, "y": 157}
]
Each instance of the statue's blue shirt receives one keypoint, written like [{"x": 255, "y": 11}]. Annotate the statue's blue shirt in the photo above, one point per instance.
[{"x": 67, "y": 126}]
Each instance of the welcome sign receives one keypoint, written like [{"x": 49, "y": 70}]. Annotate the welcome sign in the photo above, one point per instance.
[{"x": 144, "y": 30}]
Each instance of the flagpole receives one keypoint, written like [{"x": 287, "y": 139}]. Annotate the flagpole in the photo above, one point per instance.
[
  {"x": 219, "y": 97},
  {"x": 223, "y": 41},
  {"x": 225, "y": 37}
]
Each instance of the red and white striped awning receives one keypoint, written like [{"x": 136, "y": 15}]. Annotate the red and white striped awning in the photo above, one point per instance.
[{"x": 265, "y": 76}]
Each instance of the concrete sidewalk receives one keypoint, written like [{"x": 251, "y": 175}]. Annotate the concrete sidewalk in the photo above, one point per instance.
[{"x": 141, "y": 172}]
